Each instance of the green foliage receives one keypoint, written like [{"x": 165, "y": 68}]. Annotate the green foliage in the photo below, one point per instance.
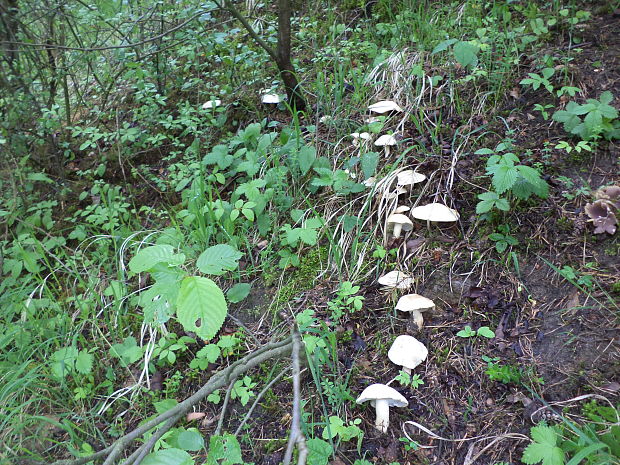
[
  {"x": 346, "y": 301},
  {"x": 483, "y": 331},
  {"x": 536, "y": 81},
  {"x": 600, "y": 119},
  {"x": 224, "y": 450},
  {"x": 405, "y": 379},
  {"x": 544, "y": 448},
  {"x": 503, "y": 239}
]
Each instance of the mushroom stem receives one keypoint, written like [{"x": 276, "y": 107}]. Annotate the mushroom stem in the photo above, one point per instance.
[
  {"x": 407, "y": 370},
  {"x": 397, "y": 229},
  {"x": 417, "y": 318},
  {"x": 382, "y": 422}
]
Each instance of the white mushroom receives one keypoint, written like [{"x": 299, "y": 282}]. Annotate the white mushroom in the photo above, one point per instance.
[
  {"x": 386, "y": 141},
  {"x": 396, "y": 279},
  {"x": 360, "y": 138},
  {"x": 382, "y": 397},
  {"x": 409, "y": 178},
  {"x": 268, "y": 97},
  {"x": 407, "y": 352},
  {"x": 384, "y": 106},
  {"x": 435, "y": 212},
  {"x": 211, "y": 104},
  {"x": 370, "y": 182},
  {"x": 399, "y": 222},
  {"x": 416, "y": 305},
  {"x": 402, "y": 209}
]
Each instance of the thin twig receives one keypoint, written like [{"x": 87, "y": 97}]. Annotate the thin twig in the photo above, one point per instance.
[
  {"x": 141, "y": 452},
  {"x": 296, "y": 436},
  {"x": 220, "y": 422}
]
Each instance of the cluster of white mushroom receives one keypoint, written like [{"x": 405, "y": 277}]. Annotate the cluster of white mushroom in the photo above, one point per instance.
[{"x": 384, "y": 141}]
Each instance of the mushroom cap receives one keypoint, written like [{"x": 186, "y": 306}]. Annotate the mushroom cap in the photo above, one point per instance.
[
  {"x": 402, "y": 219},
  {"x": 382, "y": 392},
  {"x": 268, "y": 96},
  {"x": 384, "y": 106},
  {"x": 361, "y": 135},
  {"x": 211, "y": 104},
  {"x": 402, "y": 209},
  {"x": 385, "y": 140},
  {"x": 396, "y": 279},
  {"x": 409, "y": 178},
  {"x": 411, "y": 302},
  {"x": 407, "y": 352},
  {"x": 435, "y": 212},
  {"x": 370, "y": 182}
]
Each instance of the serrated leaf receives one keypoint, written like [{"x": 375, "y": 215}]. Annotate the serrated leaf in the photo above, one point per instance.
[
  {"x": 128, "y": 351},
  {"x": 168, "y": 457},
  {"x": 504, "y": 178},
  {"x": 218, "y": 259},
  {"x": 306, "y": 157},
  {"x": 63, "y": 361},
  {"x": 210, "y": 352},
  {"x": 224, "y": 450},
  {"x": 201, "y": 306},
  {"x": 238, "y": 292},
  {"x": 84, "y": 362},
  {"x": 544, "y": 454},
  {"x": 319, "y": 451},
  {"x": 190, "y": 440},
  {"x": 485, "y": 331},
  {"x": 148, "y": 257},
  {"x": 369, "y": 162}
]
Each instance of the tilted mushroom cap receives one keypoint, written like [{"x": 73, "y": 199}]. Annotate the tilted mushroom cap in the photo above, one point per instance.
[
  {"x": 396, "y": 279},
  {"x": 602, "y": 216},
  {"x": 410, "y": 302},
  {"x": 400, "y": 223},
  {"x": 384, "y": 106},
  {"x": 211, "y": 104},
  {"x": 435, "y": 212},
  {"x": 402, "y": 209},
  {"x": 409, "y": 178},
  {"x": 385, "y": 140},
  {"x": 378, "y": 391},
  {"x": 407, "y": 352}
]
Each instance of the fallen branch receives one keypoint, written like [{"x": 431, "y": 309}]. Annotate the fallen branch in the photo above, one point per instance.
[{"x": 217, "y": 381}]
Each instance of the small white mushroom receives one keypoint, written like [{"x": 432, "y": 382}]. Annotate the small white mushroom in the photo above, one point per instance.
[
  {"x": 269, "y": 97},
  {"x": 407, "y": 352},
  {"x": 385, "y": 106},
  {"x": 396, "y": 279},
  {"x": 409, "y": 178},
  {"x": 402, "y": 209},
  {"x": 360, "y": 138},
  {"x": 325, "y": 119},
  {"x": 399, "y": 223},
  {"x": 370, "y": 182},
  {"x": 386, "y": 141},
  {"x": 211, "y": 104},
  {"x": 416, "y": 305},
  {"x": 382, "y": 397},
  {"x": 435, "y": 212}
]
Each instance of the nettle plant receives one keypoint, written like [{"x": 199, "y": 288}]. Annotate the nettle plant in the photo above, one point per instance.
[
  {"x": 197, "y": 301},
  {"x": 591, "y": 120},
  {"x": 509, "y": 179}
]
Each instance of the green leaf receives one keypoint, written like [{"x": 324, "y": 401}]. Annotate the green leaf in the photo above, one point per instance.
[
  {"x": 369, "y": 162},
  {"x": 238, "y": 292},
  {"x": 485, "y": 331},
  {"x": 218, "y": 259},
  {"x": 606, "y": 97},
  {"x": 168, "y": 457},
  {"x": 466, "y": 53},
  {"x": 63, "y": 361},
  {"x": 128, "y": 351},
  {"x": 543, "y": 448},
  {"x": 190, "y": 440},
  {"x": 84, "y": 362},
  {"x": 201, "y": 306},
  {"x": 210, "y": 352},
  {"x": 444, "y": 45},
  {"x": 319, "y": 451},
  {"x": 504, "y": 178},
  {"x": 224, "y": 450},
  {"x": 147, "y": 258},
  {"x": 306, "y": 157}
]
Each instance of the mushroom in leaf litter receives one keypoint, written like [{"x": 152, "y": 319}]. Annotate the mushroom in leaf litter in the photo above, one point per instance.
[
  {"x": 386, "y": 141},
  {"x": 407, "y": 352},
  {"x": 396, "y": 279},
  {"x": 269, "y": 97},
  {"x": 409, "y": 178},
  {"x": 399, "y": 223},
  {"x": 382, "y": 397},
  {"x": 360, "y": 138},
  {"x": 435, "y": 212},
  {"x": 416, "y": 305},
  {"x": 385, "y": 106},
  {"x": 211, "y": 104}
]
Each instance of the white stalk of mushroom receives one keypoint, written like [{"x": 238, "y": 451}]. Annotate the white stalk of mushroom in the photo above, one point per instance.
[
  {"x": 415, "y": 304},
  {"x": 382, "y": 397}
]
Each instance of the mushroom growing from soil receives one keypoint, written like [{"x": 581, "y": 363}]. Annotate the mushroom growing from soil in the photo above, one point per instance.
[
  {"x": 435, "y": 212},
  {"x": 382, "y": 397},
  {"x": 409, "y": 178},
  {"x": 407, "y": 352},
  {"x": 397, "y": 222},
  {"x": 386, "y": 141},
  {"x": 268, "y": 97},
  {"x": 416, "y": 305},
  {"x": 396, "y": 279},
  {"x": 385, "y": 106},
  {"x": 360, "y": 138},
  {"x": 211, "y": 104}
]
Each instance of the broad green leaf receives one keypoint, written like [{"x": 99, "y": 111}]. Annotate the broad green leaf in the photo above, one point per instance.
[
  {"x": 238, "y": 292},
  {"x": 369, "y": 162},
  {"x": 466, "y": 53},
  {"x": 168, "y": 457},
  {"x": 504, "y": 178},
  {"x": 148, "y": 257},
  {"x": 543, "y": 449},
  {"x": 201, "y": 306},
  {"x": 190, "y": 440},
  {"x": 164, "y": 405},
  {"x": 128, "y": 351},
  {"x": 218, "y": 259},
  {"x": 224, "y": 450},
  {"x": 444, "y": 45},
  {"x": 210, "y": 352},
  {"x": 306, "y": 157},
  {"x": 485, "y": 331},
  {"x": 319, "y": 451},
  {"x": 63, "y": 361},
  {"x": 84, "y": 362}
]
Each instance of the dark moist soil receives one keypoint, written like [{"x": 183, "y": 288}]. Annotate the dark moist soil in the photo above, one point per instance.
[{"x": 544, "y": 326}]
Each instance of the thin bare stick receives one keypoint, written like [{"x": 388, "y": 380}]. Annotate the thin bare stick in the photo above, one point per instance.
[
  {"x": 296, "y": 436},
  {"x": 257, "y": 400},
  {"x": 217, "y": 381},
  {"x": 142, "y": 451},
  {"x": 220, "y": 422}
]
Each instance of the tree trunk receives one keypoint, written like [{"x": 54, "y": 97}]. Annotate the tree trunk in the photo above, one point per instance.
[{"x": 285, "y": 66}]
